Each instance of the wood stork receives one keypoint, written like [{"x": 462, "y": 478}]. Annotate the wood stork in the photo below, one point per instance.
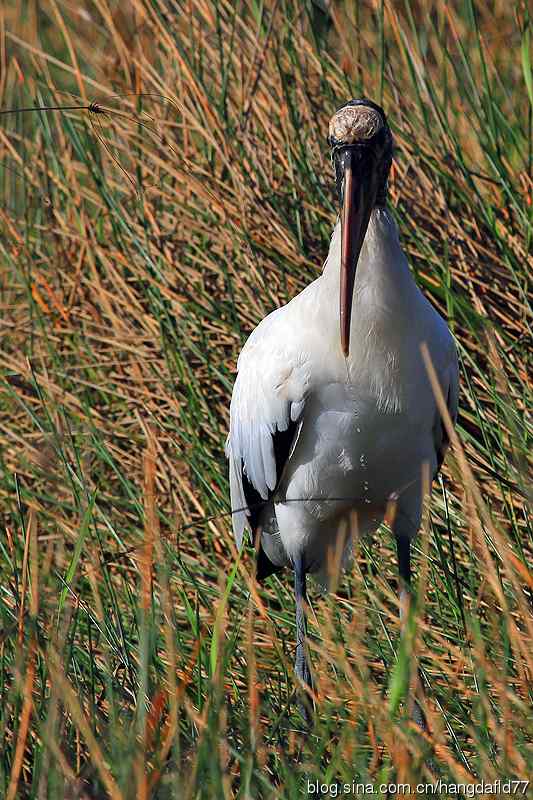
[{"x": 326, "y": 430}]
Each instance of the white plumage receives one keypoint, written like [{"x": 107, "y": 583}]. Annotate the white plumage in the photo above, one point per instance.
[{"x": 366, "y": 423}]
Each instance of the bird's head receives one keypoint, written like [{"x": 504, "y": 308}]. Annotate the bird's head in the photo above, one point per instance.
[{"x": 361, "y": 151}]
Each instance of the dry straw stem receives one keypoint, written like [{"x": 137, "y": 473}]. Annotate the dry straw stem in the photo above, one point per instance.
[
  {"x": 481, "y": 523},
  {"x": 71, "y": 702},
  {"x": 30, "y": 556},
  {"x": 24, "y": 723},
  {"x": 151, "y": 528}
]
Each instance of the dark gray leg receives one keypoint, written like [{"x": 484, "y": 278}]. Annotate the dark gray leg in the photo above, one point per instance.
[
  {"x": 301, "y": 665},
  {"x": 403, "y": 546}
]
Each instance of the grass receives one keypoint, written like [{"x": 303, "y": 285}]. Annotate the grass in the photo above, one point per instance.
[{"x": 139, "y": 247}]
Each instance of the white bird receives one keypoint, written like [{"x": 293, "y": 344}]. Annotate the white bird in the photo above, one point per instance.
[{"x": 327, "y": 430}]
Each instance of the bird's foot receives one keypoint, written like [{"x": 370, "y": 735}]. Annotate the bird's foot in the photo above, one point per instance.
[
  {"x": 418, "y": 697},
  {"x": 305, "y": 700},
  {"x": 418, "y": 716}
]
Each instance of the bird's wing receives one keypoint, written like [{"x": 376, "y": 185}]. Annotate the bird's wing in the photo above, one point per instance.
[
  {"x": 451, "y": 387},
  {"x": 265, "y": 417}
]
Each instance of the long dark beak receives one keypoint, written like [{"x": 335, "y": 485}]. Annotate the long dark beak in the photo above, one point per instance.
[{"x": 359, "y": 196}]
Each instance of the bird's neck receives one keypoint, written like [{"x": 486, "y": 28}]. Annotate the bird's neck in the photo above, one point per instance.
[{"x": 382, "y": 269}]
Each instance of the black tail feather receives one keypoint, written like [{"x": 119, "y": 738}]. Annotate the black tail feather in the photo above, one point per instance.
[{"x": 264, "y": 566}]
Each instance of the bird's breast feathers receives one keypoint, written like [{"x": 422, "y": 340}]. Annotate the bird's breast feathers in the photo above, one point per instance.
[{"x": 366, "y": 423}]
